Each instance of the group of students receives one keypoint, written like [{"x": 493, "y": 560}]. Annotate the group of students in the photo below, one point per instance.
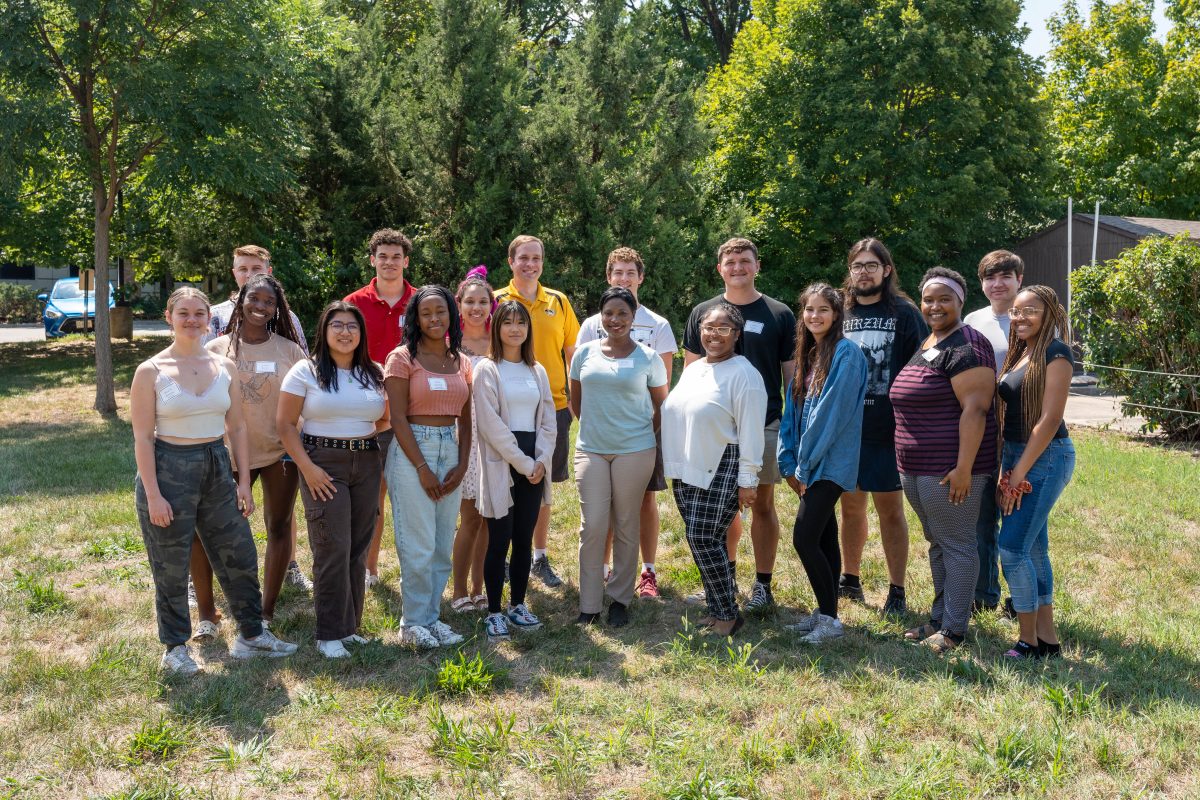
[{"x": 456, "y": 408}]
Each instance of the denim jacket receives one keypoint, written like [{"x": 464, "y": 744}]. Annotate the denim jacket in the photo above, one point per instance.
[{"x": 821, "y": 441}]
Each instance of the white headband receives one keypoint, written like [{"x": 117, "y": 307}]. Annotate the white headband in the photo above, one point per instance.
[{"x": 942, "y": 281}]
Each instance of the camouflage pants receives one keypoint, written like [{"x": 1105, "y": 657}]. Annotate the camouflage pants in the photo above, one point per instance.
[{"x": 197, "y": 482}]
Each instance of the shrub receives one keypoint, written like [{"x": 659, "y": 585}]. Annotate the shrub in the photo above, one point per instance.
[
  {"x": 19, "y": 303},
  {"x": 1141, "y": 311}
]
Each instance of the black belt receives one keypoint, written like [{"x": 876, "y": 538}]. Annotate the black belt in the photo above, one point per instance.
[{"x": 342, "y": 444}]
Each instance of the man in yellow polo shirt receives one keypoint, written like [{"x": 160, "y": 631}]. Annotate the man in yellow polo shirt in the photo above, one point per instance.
[{"x": 555, "y": 328}]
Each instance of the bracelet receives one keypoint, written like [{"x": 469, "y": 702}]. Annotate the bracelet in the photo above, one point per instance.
[
  {"x": 1024, "y": 487},
  {"x": 423, "y": 464}
]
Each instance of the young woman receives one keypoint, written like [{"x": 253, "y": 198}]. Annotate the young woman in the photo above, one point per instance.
[
  {"x": 712, "y": 441},
  {"x": 514, "y": 414},
  {"x": 1038, "y": 461},
  {"x": 946, "y": 449},
  {"x": 264, "y": 345},
  {"x": 339, "y": 393},
  {"x": 822, "y": 411},
  {"x": 182, "y": 402},
  {"x": 476, "y": 301},
  {"x": 617, "y": 387},
  {"x": 428, "y": 381}
]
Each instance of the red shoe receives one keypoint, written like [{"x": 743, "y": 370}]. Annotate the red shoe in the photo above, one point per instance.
[{"x": 647, "y": 586}]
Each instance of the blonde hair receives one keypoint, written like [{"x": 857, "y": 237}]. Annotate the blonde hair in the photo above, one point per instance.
[
  {"x": 524, "y": 239},
  {"x": 1033, "y": 387},
  {"x": 183, "y": 293},
  {"x": 253, "y": 251}
]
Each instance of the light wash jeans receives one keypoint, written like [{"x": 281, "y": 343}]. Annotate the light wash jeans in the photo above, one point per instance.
[
  {"x": 424, "y": 529},
  {"x": 1025, "y": 533}
]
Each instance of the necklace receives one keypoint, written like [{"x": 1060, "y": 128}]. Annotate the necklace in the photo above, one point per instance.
[{"x": 445, "y": 356}]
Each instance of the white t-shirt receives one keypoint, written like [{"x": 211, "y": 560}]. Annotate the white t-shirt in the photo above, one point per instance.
[
  {"x": 648, "y": 328},
  {"x": 348, "y": 413},
  {"x": 219, "y": 318},
  {"x": 521, "y": 393},
  {"x": 994, "y": 327}
]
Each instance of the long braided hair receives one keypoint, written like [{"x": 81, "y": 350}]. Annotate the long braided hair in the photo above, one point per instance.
[
  {"x": 280, "y": 324},
  {"x": 812, "y": 356},
  {"x": 1033, "y": 387}
]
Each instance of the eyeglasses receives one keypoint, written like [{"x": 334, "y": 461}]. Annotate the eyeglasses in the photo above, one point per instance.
[
  {"x": 348, "y": 327},
  {"x": 869, "y": 268},
  {"x": 716, "y": 330},
  {"x": 1027, "y": 311}
]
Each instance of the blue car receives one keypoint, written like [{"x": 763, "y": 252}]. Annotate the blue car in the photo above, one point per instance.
[{"x": 63, "y": 312}]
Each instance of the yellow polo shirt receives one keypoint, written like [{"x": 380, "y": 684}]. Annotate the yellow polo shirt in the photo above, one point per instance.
[{"x": 555, "y": 327}]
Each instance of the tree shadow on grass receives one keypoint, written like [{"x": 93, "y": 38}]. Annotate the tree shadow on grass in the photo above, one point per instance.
[
  {"x": 241, "y": 700},
  {"x": 67, "y": 459}
]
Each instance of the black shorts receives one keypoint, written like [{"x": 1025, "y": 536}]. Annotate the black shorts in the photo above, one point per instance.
[
  {"x": 562, "y": 446},
  {"x": 877, "y": 470}
]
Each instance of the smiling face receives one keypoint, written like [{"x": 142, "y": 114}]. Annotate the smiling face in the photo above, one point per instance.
[
  {"x": 818, "y": 315},
  {"x": 259, "y": 305},
  {"x": 433, "y": 318},
  {"x": 1001, "y": 289},
  {"x": 475, "y": 306},
  {"x": 245, "y": 267},
  {"x": 1027, "y": 316},
  {"x": 626, "y": 275},
  {"x": 718, "y": 335},
  {"x": 527, "y": 262},
  {"x": 390, "y": 262},
  {"x": 188, "y": 318},
  {"x": 940, "y": 307},
  {"x": 342, "y": 334},
  {"x": 514, "y": 330},
  {"x": 738, "y": 269},
  {"x": 617, "y": 318}
]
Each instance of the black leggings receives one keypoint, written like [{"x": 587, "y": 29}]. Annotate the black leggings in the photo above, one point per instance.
[
  {"x": 815, "y": 537},
  {"x": 515, "y": 528}
]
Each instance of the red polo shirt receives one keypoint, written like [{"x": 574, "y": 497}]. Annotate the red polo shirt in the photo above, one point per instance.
[{"x": 385, "y": 323}]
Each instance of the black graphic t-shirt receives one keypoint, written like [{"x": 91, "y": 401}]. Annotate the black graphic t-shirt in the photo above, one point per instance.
[
  {"x": 888, "y": 337},
  {"x": 768, "y": 341}
]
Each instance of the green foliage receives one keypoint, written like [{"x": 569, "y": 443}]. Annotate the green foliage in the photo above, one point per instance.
[
  {"x": 460, "y": 675},
  {"x": 705, "y": 786},
  {"x": 1141, "y": 311},
  {"x": 1123, "y": 107},
  {"x": 113, "y": 547},
  {"x": 913, "y": 122},
  {"x": 471, "y": 745},
  {"x": 41, "y": 596},
  {"x": 157, "y": 741},
  {"x": 19, "y": 303},
  {"x": 232, "y": 755}
]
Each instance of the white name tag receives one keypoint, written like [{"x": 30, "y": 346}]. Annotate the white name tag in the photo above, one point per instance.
[
  {"x": 754, "y": 326},
  {"x": 531, "y": 383},
  {"x": 931, "y": 354},
  {"x": 168, "y": 393},
  {"x": 264, "y": 366},
  {"x": 624, "y": 363},
  {"x": 401, "y": 318},
  {"x": 438, "y": 385}
]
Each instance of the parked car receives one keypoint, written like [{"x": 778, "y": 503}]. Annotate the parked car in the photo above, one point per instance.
[{"x": 63, "y": 312}]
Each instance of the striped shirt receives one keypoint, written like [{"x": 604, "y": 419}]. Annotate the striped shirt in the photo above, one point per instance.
[{"x": 928, "y": 412}]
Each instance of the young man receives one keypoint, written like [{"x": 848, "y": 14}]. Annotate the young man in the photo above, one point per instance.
[
  {"x": 1000, "y": 275},
  {"x": 625, "y": 269},
  {"x": 555, "y": 328},
  {"x": 382, "y": 303},
  {"x": 249, "y": 259},
  {"x": 768, "y": 342},
  {"x": 882, "y": 321}
]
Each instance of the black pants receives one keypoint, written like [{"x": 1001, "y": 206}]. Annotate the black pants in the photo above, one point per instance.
[
  {"x": 339, "y": 533},
  {"x": 515, "y": 528},
  {"x": 815, "y": 537}
]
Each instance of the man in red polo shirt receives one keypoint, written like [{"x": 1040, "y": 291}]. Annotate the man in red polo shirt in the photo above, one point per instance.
[{"x": 382, "y": 303}]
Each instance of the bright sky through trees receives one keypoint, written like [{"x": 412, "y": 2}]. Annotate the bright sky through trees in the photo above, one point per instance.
[{"x": 1036, "y": 12}]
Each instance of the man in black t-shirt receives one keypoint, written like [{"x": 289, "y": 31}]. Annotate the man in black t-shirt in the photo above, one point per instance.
[
  {"x": 768, "y": 342},
  {"x": 889, "y": 329}
]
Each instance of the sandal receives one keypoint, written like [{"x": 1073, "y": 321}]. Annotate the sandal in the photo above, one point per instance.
[
  {"x": 462, "y": 605},
  {"x": 480, "y": 601},
  {"x": 207, "y": 630},
  {"x": 1023, "y": 649},
  {"x": 942, "y": 642},
  {"x": 921, "y": 632}
]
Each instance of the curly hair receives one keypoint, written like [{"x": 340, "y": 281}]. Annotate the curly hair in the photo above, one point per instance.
[{"x": 390, "y": 236}]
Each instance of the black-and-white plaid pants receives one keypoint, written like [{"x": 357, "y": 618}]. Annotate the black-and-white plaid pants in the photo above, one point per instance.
[{"x": 707, "y": 514}]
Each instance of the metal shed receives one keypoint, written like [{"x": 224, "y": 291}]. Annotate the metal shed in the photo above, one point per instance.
[{"x": 1045, "y": 253}]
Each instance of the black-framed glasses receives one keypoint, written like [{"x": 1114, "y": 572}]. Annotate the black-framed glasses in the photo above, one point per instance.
[{"x": 869, "y": 268}]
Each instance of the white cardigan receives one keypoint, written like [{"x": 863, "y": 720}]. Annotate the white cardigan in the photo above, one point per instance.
[{"x": 496, "y": 447}]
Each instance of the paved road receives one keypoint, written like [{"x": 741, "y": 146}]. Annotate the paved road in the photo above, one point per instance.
[
  {"x": 1100, "y": 411},
  {"x": 35, "y": 332}
]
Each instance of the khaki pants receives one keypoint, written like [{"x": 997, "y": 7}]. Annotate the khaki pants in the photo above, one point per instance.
[{"x": 610, "y": 492}]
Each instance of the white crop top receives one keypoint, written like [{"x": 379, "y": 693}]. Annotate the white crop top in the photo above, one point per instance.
[
  {"x": 348, "y": 413},
  {"x": 520, "y": 387},
  {"x": 179, "y": 413}
]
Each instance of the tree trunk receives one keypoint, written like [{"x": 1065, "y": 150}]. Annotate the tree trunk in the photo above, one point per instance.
[{"x": 106, "y": 401}]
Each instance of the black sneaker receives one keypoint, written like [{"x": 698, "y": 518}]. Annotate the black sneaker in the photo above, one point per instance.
[
  {"x": 761, "y": 599},
  {"x": 587, "y": 619},
  {"x": 896, "y": 603},
  {"x": 850, "y": 591},
  {"x": 618, "y": 615},
  {"x": 1047, "y": 650},
  {"x": 542, "y": 571},
  {"x": 1009, "y": 611}
]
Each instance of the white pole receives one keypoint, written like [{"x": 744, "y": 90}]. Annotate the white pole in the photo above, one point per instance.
[
  {"x": 1070, "y": 259},
  {"x": 1095, "y": 231}
]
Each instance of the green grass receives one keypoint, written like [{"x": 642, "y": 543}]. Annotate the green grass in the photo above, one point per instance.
[{"x": 655, "y": 710}]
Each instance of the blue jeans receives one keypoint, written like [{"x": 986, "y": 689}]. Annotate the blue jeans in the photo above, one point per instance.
[
  {"x": 1025, "y": 534},
  {"x": 424, "y": 529},
  {"x": 987, "y": 532}
]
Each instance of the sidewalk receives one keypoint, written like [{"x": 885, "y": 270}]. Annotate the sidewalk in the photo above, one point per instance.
[
  {"x": 1088, "y": 408},
  {"x": 36, "y": 332}
]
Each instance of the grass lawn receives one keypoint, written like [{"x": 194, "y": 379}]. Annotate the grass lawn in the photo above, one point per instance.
[{"x": 652, "y": 711}]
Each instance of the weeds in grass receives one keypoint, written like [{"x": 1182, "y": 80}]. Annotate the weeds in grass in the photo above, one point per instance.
[
  {"x": 361, "y": 749},
  {"x": 931, "y": 777},
  {"x": 1109, "y": 756},
  {"x": 161, "y": 790},
  {"x": 135, "y": 576},
  {"x": 232, "y": 755},
  {"x": 818, "y": 734},
  {"x": 398, "y": 787},
  {"x": 570, "y": 756},
  {"x": 114, "y": 547},
  {"x": 761, "y": 753},
  {"x": 1011, "y": 759},
  {"x": 41, "y": 597},
  {"x": 392, "y": 710},
  {"x": 157, "y": 741},
  {"x": 1074, "y": 701},
  {"x": 461, "y": 675},
  {"x": 706, "y": 787},
  {"x": 317, "y": 700},
  {"x": 468, "y": 745}
]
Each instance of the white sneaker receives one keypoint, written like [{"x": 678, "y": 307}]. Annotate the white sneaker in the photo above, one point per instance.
[
  {"x": 372, "y": 580},
  {"x": 332, "y": 648},
  {"x": 297, "y": 578},
  {"x": 807, "y": 624},
  {"x": 827, "y": 630},
  {"x": 206, "y": 629},
  {"x": 265, "y": 644},
  {"x": 445, "y": 634},
  {"x": 419, "y": 637},
  {"x": 496, "y": 626},
  {"x": 178, "y": 661},
  {"x": 353, "y": 638},
  {"x": 523, "y": 618},
  {"x": 192, "y": 595}
]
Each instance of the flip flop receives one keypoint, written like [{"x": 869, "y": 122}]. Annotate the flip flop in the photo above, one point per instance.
[
  {"x": 480, "y": 601},
  {"x": 462, "y": 605},
  {"x": 206, "y": 630}
]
